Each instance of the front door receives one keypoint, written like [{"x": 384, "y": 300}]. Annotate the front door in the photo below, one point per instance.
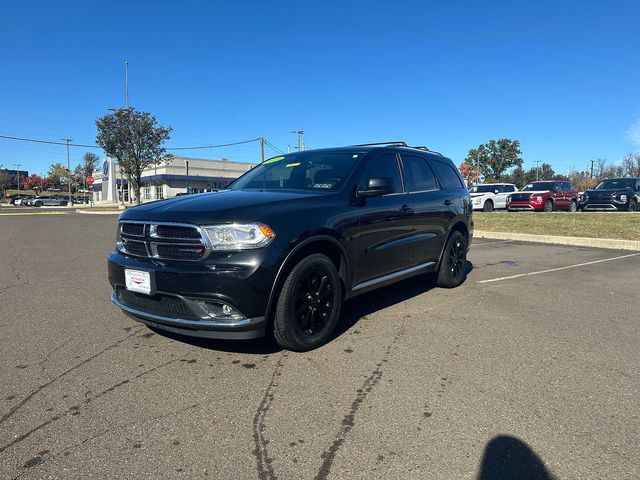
[{"x": 385, "y": 224}]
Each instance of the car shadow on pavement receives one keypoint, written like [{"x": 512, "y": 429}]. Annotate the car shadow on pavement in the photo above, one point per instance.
[
  {"x": 352, "y": 311},
  {"x": 508, "y": 458},
  {"x": 368, "y": 303}
]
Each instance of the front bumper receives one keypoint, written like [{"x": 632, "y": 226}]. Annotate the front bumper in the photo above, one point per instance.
[
  {"x": 525, "y": 206},
  {"x": 183, "y": 291},
  {"x": 604, "y": 205}
]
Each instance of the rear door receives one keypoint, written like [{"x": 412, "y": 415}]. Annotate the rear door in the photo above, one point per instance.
[
  {"x": 385, "y": 223},
  {"x": 426, "y": 199}
]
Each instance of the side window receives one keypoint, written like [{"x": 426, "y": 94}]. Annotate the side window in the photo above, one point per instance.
[
  {"x": 638, "y": 185},
  {"x": 383, "y": 166},
  {"x": 509, "y": 188},
  {"x": 417, "y": 174},
  {"x": 499, "y": 188},
  {"x": 558, "y": 186},
  {"x": 448, "y": 176}
]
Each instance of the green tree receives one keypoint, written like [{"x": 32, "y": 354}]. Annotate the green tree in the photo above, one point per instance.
[
  {"x": 57, "y": 175},
  {"x": 517, "y": 177},
  {"x": 495, "y": 157},
  {"x": 134, "y": 139},
  {"x": 5, "y": 181},
  {"x": 89, "y": 163}
]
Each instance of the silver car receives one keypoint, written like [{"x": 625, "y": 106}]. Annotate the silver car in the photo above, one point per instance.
[{"x": 49, "y": 202}]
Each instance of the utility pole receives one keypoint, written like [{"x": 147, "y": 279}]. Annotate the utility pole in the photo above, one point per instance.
[
  {"x": 537, "y": 162},
  {"x": 126, "y": 84},
  {"x": 18, "y": 175},
  {"x": 592, "y": 162},
  {"x": 68, "y": 140},
  {"x": 262, "y": 148},
  {"x": 300, "y": 134},
  {"x": 186, "y": 182}
]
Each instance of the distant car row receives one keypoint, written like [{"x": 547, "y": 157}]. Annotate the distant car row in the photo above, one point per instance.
[
  {"x": 547, "y": 196},
  {"x": 45, "y": 201}
]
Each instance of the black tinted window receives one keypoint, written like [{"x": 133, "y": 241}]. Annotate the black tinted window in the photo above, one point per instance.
[
  {"x": 417, "y": 174},
  {"x": 383, "y": 166},
  {"x": 509, "y": 188},
  {"x": 448, "y": 176}
]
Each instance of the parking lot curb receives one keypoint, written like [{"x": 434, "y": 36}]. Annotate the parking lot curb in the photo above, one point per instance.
[
  {"x": 558, "y": 240},
  {"x": 98, "y": 212}
]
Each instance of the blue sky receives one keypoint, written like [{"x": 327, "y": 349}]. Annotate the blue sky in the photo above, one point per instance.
[{"x": 561, "y": 77}]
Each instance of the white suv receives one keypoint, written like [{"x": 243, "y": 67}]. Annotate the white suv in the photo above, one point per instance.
[{"x": 487, "y": 196}]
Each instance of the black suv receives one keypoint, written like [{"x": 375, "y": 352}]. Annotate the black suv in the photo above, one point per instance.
[
  {"x": 613, "y": 194},
  {"x": 284, "y": 245}
]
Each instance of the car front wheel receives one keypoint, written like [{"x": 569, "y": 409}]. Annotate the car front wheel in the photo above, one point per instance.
[
  {"x": 309, "y": 304},
  {"x": 548, "y": 207},
  {"x": 453, "y": 267},
  {"x": 38, "y": 204},
  {"x": 633, "y": 205},
  {"x": 488, "y": 206}
]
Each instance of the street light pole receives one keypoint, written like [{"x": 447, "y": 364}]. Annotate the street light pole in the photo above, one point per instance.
[
  {"x": 262, "y": 148},
  {"x": 537, "y": 162},
  {"x": 68, "y": 140},
  {"x": 126, "y": 84},
  {"x": 18, "y": 175}
]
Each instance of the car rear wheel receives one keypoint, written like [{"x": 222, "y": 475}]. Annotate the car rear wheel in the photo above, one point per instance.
[
  {"x": 633, "y": 205},
  {"x": 488, "y": 206},
  {"x": 309, "y": 305},
  {"x": 573, "y": 207},
  {"x": 548, "y": 207},
  {"x": 38, "y": 204},
  {"x": 64, "y": 204},
  {"x": 453, "y": 267}
]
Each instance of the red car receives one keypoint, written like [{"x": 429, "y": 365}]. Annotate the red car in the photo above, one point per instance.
[{"x": 544, "y": 196}]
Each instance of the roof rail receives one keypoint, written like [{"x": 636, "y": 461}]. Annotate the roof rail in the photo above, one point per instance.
[{"x": 399, "y": 143}]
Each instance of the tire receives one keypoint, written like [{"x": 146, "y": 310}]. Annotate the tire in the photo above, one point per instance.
[
  {"x": 633, "y": 205},
  {"x": 573, "y": 206},
  {"x": 453, "y": 267},
  {"x": 64, "y": 204},
  {"x": 308, "y": 305},
  {"x": 37, "y": 204},
  {"x": 488, "y": 206},
  {"x": 548, "y": 207}
]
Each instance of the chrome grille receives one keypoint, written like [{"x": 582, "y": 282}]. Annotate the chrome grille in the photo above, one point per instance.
[{"x": 162, "y": 240}]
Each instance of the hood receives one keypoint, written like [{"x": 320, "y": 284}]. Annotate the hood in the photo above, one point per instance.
[
  {"x": 606, "y": 192},
  {"x": 222, "y": 206},
  {"x": 535, "y": 192}
]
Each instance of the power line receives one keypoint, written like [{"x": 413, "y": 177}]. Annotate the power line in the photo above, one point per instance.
[
  {"x": 215, "y": 146},
  {"x": 33, "y": 140},
  {"x": 272, "y": 146}
]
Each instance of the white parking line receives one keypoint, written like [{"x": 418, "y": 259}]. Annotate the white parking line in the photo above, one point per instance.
[
  {"x": 558, "y": 269},
  {"x": 473, "y": 244}
]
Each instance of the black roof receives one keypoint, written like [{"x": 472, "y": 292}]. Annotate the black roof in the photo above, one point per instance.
[{"x": 367, "y": 147}]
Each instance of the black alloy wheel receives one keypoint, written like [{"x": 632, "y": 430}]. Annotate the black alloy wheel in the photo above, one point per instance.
[
  {"x": 453, "y": 268},
  {"x": 488, "y": 206},
  {"x": 548, "y": 207},
  {"x": 633, "y": 205},
  {"x": 309, "y": 304}
]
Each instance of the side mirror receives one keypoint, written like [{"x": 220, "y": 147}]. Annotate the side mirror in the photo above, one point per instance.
[
  {"x": 496, "y": 191},
  {"x": 377, "y": 186}
]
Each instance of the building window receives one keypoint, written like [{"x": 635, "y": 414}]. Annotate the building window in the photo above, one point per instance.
[
  {"x": 159, "y": 192},
  {"x": 146, "y": 192}
]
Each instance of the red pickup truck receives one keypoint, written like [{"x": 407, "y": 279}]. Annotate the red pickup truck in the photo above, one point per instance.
[{"x": 544, "y": 196}]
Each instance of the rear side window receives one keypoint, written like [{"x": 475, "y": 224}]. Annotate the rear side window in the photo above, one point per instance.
[
  {"x": 417, "y": 174},
  {"x": 385, "y": 165},
  {"x": 509, "y": 188},
  {"x": 448, "y": 176}
]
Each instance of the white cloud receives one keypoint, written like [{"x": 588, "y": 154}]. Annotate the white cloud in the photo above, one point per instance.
[{"x": 633, "y": 134}]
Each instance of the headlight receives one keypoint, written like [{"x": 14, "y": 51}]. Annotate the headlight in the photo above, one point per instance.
[
  {"x": 238, "y": 236},
  {"x": 623, "y": 198},
  {"x": 537, "y": 199}
]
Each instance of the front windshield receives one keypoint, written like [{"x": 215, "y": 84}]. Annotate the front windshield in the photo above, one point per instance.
[
  {"x": 318, "y": 171},
  {"x": 483, "y": 189},
  {"x": 616, "y": 184},
  {"x": 541, "y": 186}
]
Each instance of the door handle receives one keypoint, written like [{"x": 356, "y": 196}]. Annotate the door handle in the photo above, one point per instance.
[
  {"x": 406, "y": 209},
  {"x": 448, "y": 202}
]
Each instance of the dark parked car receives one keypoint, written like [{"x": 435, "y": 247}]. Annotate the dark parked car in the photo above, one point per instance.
[
  {"x": 544, "y": 196},
  {"x": 613, "y": 194},
  {"x": 283, "y": 246}
]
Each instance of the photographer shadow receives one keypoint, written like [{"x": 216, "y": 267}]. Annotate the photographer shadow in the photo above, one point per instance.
[{"x": 509, "y": 458}]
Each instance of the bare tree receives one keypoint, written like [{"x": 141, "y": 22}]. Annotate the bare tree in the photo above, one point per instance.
[{"x": 631, "y": 164}]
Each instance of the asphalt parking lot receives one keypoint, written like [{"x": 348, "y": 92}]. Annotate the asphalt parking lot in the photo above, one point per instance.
[{"x": 531, "y": 367}]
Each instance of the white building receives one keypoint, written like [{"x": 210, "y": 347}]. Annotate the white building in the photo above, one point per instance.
[{"x": 178, "y": 175}]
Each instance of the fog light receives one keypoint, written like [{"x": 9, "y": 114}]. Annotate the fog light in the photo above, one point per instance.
[
  {"x": 623, "y": 198},
  {"x": 220, "y": 311}
]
